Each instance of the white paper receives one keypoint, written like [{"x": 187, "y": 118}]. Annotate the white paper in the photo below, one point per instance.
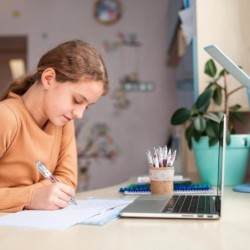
[
  {"x": 52, "y": 220},
  {"x": 110, "y": 210},
  {"x": 63, "y": 218}
]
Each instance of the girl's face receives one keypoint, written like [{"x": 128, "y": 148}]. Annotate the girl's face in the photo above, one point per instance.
[{"x": 66, "y": 101}]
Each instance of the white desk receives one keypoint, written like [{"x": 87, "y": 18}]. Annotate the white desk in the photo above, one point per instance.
[{"x": 232, "y": 231}]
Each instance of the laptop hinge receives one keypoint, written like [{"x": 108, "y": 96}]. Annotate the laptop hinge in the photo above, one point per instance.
[{"x": 218, "y": 204}]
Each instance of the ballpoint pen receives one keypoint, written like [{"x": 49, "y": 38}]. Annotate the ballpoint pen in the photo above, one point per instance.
[{"x": 48, "y": 175}]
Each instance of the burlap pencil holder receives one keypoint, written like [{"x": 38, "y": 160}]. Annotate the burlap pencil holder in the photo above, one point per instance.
[{"x": 161, "y": 180}]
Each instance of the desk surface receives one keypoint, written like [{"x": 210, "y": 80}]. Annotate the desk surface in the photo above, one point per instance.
[{"x": 232, "y": 231}]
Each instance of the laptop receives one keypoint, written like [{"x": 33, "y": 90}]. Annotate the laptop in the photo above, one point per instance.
[{"x": 198, "y": 206}]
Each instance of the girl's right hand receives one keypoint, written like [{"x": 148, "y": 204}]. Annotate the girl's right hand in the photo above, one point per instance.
[{"x": 51, "y": 197}]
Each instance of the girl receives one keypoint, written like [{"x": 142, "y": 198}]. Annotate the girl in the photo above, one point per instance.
[{"x": 36, "y": 114}]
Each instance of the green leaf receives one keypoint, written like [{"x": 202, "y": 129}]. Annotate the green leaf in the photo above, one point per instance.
[
  {"x": 210, "y": 68},
  {"x": 203, "y": 101},
  {"x": 212, "y": 116},
  {"x": 212, "y": 85},
  {"x": 189, "y": 131},
  {"x": 203, "y": 109},
  {"x": 212, "y": 129},
  {"x": 197, "y": 135},
  {"x": 236, "y": 116},
  {"x": 213, "y": 141},
  {"x": 180, "y": 116},
  {"x": 235, "y": 107},
  {"x": 200, "y": 124},
  {"x": 223, "y": 72},
  {"x": 217, "y": 96},
  {"x": 189, "y": 135},
  {"x": 220, "y": 115},
  {"x": 194, "y": 110}
]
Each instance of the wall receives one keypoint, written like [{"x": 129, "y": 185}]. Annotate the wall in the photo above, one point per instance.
[
  {"x": 227, "y": 28},
  {"x": 145, "y": 123}
]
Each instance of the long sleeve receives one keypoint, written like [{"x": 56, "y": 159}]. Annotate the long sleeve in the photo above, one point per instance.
[
  {"x": 16, "y": 198},
  {"x": 66, "y": 169},
  {"x": 22, "y": 143},
  {"x": 8, "y": 129}
]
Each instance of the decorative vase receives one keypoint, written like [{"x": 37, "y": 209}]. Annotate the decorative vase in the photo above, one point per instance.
[{"x": 236, "y": 160}]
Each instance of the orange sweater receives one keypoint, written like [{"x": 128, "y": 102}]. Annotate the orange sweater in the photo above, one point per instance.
[{"x": 22, "y": 142}]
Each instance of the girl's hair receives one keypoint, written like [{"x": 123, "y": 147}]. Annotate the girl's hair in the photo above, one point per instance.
[{"x": 72, "y": 61}]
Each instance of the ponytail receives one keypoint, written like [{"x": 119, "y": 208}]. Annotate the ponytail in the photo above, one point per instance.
[{"x": 19, "y": 86}]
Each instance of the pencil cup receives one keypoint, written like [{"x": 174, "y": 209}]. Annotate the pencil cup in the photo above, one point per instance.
[{"x": 161, "y": 180}]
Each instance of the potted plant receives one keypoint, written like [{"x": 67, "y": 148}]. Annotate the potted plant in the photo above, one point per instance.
[{"x": 202, "y": 129}]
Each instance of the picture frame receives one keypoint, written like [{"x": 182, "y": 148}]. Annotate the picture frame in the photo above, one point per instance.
[{"x": 108, "y": 12}]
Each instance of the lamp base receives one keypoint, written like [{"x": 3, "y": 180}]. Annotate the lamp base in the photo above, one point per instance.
[{"x": 244, "y": 188}]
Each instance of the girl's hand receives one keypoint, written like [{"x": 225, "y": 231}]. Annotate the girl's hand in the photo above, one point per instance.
[{"x": 51, "y": 197}]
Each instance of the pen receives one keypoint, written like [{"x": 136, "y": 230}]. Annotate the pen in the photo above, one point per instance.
[
  {"x": 155, "y": 160},
  {"x": 48, "y": 175},
  {"x": 165, "y": 156},
  {"x": 150, "y": 159},
  {"x": 160, "y": 156},
  {"x": 172, "y": 159}
]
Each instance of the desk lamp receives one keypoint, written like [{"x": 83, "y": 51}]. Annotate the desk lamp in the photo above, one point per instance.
[{"x": 241, "y": 76}]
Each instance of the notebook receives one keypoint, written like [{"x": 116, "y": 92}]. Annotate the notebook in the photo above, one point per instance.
[
  {"x": 184, "y": 206},
  {"x": 187, "y": 188}
]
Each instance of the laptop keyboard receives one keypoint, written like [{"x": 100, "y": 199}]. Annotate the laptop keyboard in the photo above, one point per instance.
[{"x": 190, "y": 204}]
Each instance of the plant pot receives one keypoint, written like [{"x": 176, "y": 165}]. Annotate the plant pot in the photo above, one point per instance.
[{"x": 236, "y": 160}]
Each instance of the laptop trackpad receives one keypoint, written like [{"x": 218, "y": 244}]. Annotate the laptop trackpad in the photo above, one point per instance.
[{"x": 148, "y": 204}]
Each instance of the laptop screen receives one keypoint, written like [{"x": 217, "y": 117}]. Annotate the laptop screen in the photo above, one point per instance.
[
  {"x": 221, "y": 159},
  {"x": 221, "y": 163}
]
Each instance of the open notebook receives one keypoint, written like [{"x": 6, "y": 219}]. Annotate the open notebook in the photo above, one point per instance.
[{"x": 184, "y": 206}]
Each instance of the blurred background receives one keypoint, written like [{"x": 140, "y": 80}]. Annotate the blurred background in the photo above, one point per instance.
[{"x": 150, "y": 63}]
